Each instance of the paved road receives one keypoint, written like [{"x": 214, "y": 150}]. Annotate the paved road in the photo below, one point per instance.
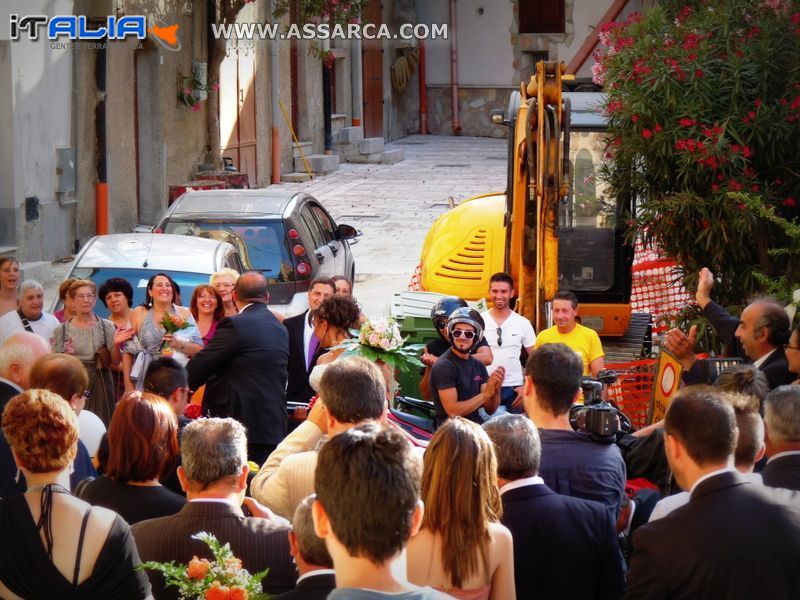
[{"x": 394, "y": 206}]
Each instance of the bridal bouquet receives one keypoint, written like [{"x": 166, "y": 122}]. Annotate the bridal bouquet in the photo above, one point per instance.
[
  {"x": 379, "y": 340},
  {"x": 223, "y": 578}
]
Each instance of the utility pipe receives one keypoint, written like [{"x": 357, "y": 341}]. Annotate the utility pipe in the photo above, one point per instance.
[
  {"x": 423, "y": 89},
  {"x": 454, "y": 70},
  {"x": 101, "y": 164},
  {"x": 327, "y": 104},
  {"x": 275, "y": 97},
  {"x": 356, "y": 77},
  {"x": 590, "y": 42}
]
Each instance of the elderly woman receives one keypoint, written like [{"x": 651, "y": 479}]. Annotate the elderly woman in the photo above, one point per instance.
[
  {"x": 151, "y": 338},
  {"x": 462, "y": 548},
  {"x": 142, "y": 447},
  {"x": 9, "y": 278},
  {"x": 95, "y": 342},
  {"x": 30, "y": 315},
  {"x": 223, "y": 281},
  {"x": 56, "y": 546}
]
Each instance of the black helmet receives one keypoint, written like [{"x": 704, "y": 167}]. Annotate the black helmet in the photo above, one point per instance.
[
  {"x": 469, "y": 316},
  {"x": 442, "y": 310}
]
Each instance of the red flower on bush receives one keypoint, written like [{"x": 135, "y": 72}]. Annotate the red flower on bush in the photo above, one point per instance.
[
  {"x": 684, "y": 122},
  {"x": 646, "y": 133},
  {"x": 791, "y": 202}
]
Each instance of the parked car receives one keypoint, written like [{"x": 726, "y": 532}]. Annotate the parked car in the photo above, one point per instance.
[
  {"x": 288, "y": 236},
  {"x": 137, "y": 257}
]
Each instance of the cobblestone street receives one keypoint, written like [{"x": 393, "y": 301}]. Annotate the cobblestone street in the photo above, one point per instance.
[{"x": 395, "y": 205}]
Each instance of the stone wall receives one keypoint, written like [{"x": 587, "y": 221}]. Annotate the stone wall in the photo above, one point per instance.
[{"x": 475, "y": 106}]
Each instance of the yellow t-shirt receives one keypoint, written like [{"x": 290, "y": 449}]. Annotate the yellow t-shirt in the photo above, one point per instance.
[{"x": 584, "y": 341}]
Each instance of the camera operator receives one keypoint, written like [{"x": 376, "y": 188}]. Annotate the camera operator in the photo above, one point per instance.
[{"x": 572, "y": 462}]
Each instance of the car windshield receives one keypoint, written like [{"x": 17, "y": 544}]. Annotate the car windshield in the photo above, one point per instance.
[
  {"x": 138, "y": 279},
  {"x": 261, "y": 244}
]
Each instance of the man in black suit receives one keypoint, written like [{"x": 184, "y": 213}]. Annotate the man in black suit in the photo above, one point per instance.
[
  {"x": 564, "y": 547},
  {"x": 734, "y": 539},
  {"x": 214, "y": 477},
  {"x": 782, "y": 437},
  {"x": 304, "y": 346},
  {"x": 317, "y": 578},
  {"x": 759, "y": 336},
  {"x": 245, "y": 365},
  {"x": 17, "y": 355}
]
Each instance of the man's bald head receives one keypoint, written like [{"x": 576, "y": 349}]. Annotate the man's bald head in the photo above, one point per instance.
[
  {"x": 251, "y": 287},
  {"x": 17, "y": 355}
]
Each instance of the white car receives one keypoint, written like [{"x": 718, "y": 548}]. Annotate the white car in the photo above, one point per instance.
[{"x": 189, "y": 261}]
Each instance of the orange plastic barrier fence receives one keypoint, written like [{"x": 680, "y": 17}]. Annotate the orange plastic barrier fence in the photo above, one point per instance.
[
  {"x": 656, "y": 286},
  {"x": 633, "y": 390}
]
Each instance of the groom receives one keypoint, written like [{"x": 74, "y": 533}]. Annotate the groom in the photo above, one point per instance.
[{"x": 244, "y": 368}]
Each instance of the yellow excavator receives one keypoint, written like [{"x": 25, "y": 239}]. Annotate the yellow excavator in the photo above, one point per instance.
[{"x": 555, "y": 228}]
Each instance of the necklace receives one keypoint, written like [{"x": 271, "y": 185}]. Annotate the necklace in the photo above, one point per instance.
[{"x": 54, "y": 487}]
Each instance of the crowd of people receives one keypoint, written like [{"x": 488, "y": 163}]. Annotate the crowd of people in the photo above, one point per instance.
[{"x": 124, "y": 437}]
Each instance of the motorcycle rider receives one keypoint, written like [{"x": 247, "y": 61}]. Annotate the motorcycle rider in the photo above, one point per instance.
[
  {"x": 459, "y": 383},
  {"x": 440, "y": 313}
]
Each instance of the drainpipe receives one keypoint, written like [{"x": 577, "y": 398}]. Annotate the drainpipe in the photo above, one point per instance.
[
  {"x": 454, "y": 70},
  {"x": 423, "y": 88},
  {"x": 275, "y": 98},
  {"x": 326, "y": 101},
  {"x": 101, "y": 187},
  {"x": 356, "y": 77}
]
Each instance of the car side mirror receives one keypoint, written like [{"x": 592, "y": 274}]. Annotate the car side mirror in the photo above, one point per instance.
[{"x": 346, "y": 232}]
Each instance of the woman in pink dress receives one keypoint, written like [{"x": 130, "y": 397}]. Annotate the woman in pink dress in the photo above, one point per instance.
[
  {"x": 207, "y": 309},
  {"x": 462, "y": 548}
]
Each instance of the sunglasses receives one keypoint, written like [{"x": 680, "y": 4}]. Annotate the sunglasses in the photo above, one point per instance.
[
  {"x": 457, "y": 333},
  {"x": 499, "y": 337}
]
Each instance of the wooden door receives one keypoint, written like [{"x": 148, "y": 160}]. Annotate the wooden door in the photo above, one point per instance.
[
  {"x": 372, "y": 74},
  {"x": 237, "y": 110}
]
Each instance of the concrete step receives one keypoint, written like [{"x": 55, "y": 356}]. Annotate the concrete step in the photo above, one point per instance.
[
  {"x": 374, "y": 159},
  {"x": 304, "y": 146},
  {"x": 390, "y": 157},
  {"x": 295, "y": 177},
  {"x": 338, "y": 121},
  {"x": 320, "y": 163},
  {"x": 41, "y": 271},
  {"x": 350, "y": 135},
  {"x": 371, "y": 145}
]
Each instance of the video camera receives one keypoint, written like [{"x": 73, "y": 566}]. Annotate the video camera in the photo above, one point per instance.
[{"x": 601, "y": 420}]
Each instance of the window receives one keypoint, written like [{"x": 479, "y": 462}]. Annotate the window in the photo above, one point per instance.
[
  {"x": 325, "y": 222},
  {"x": 541, "y": 16},
  {"x": 311, "y": 225}
]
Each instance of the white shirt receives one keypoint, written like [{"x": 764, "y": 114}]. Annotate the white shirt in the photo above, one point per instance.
[
  {"x": 517, "y": 333},
  {"x": 91, "y": 430},
  {"x": 43, "y": 326},
  {"x": 666, "y": 505},
  {"x": 757, "y": 363},
  {"x": 314, "y": 573},
  {"x": 518, "y": 483}
]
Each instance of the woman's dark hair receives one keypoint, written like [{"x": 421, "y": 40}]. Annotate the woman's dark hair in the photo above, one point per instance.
[
  {"x": 340, "y": 311},
  {"x": 116, "y": 284},
  {"x": 142, "y": 438},
  {"x": 219, "y": 312},
  {"x": 148, "y": 300}
]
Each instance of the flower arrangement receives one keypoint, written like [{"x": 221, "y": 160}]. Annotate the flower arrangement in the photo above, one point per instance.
[
  {"x": 171, "y": 324},
  {"x": 379, "y": 340},
  {"x": 223, "y": 578},
  {"x": 192, "y": 91}
]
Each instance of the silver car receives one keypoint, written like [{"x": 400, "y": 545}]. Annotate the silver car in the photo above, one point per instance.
[{"x": 137, "y": 257}]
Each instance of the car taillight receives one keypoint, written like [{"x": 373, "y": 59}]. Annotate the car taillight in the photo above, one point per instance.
[
  {"x": 293, "y": 235},
  {"x": 158, "y": 230},
  {"x": 303, "y": 269},
  {"x": 298, "y": 250}
]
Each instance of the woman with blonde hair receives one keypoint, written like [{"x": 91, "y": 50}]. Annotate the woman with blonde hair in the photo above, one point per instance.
[
  {"x": 462, "y": 549},
  {"x": 54, "y": 545},
  {"x": 224, "y": 281}
]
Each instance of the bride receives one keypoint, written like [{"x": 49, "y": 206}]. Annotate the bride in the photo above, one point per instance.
[{"x": 333, "y": 321}]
